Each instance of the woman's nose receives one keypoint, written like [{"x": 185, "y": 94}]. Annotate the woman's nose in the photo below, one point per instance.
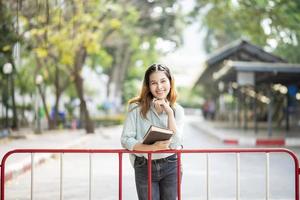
[{"x": 159, "y": 86}]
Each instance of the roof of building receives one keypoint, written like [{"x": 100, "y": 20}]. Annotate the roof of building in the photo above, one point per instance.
[
  {"x": 240, "y": 50},
  {"x": 265, "y": 72}
]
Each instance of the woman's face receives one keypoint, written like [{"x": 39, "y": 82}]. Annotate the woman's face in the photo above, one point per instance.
[{"x": 159, "y": 84}]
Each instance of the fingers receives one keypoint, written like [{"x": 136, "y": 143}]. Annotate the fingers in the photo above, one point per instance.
[
  {"x": 160, "y": 102},
  {"x": 162, "y": 105},
  {"x": 160, "y": 142},
  {"x": 163, "y": 142},
  {"x": 162, "y": 145},
  {"x": 158, "y": 105}
]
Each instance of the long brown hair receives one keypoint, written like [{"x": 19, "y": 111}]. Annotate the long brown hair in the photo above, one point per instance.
[{"x": 145, "y": 97}]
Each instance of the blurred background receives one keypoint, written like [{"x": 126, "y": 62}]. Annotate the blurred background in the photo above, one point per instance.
[
  {"x": 75, "y": 64},
  {"x": 69, "y": 67}
]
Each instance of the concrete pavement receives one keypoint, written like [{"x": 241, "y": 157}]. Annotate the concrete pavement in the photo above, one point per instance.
[
  {"x": 26, "y": 139},
  {"x": 225, "y": 132},
  {"x": 71, "y": 138}
]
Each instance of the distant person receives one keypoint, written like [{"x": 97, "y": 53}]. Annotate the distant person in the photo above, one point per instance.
[
  {"x": 211, "y": 109},
  {"x": 205, "y": 108},
  {"x": 156, "y": 105}
]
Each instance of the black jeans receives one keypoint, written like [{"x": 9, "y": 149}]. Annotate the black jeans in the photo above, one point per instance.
[{"x": 164, "y": 178}]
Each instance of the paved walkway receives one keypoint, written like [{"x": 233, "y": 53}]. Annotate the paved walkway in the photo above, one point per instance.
[
  {"x": 71, "y": 138},
  {"x": 224, "y": 132},
  {"x": 26, "y": 139}
]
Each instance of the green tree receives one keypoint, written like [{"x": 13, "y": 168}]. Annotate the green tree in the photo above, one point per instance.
[
  {"x": 8, "y": 39},
  {"x": 61, "y": 38},
  {"x": 272, "y": 24},
  {"x": 158, "y": 21}
]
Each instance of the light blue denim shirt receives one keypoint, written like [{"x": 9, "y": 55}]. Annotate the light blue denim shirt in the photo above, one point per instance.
[{"x": 135, "y": 127}]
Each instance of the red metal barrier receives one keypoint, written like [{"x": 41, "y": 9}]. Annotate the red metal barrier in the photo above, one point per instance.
[{"x": 120, "y": 153}]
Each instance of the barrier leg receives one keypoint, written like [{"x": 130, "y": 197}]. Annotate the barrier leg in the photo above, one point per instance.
[{"x": 149, "y": 176}]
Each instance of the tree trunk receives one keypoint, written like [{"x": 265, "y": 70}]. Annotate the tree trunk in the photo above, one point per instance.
[
  {"x": 58, "y": 93},
  {"x": 56, "y": 114},
  {"x": 84, "y": 113},
  {"x": 118, "y": 73},
  {"x": 125, "y": 63},
  {"x": 43, "y": 96},
  {"x": 15, "y": 121},
  {"x": 50, "y": 122}
]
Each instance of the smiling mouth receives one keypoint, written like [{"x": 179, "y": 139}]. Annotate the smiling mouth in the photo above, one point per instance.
[{"x": 160, "y": 92}]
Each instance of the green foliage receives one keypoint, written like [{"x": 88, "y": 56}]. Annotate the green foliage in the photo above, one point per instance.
[
  {"x": 8, "y": 35},
  {"x": 289, "y": 51},
  {"x": 8, "y": 32},
  {"x": 272, "y": 24},
  {"x": 131, "y": 89},
  {"x": 190, "y": 97},
  {"x": 54, "y": 33},
  {"x": 110, "y": 120}
]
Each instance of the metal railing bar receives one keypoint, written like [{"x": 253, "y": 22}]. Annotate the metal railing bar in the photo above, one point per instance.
[
  {"x": 241, "y": 150},
  {"x": 120, "y": 174},
  {"x": 267, "y": 176},
  {"x": 207, "y": 177},
  {"x": 149, "y": 176},
  {"x": 179, "y": 176},
  {"x": 0, "y": 176},
  {"x": 90, "y": 175},
  {"x": 32, "y": 176},
  {"x": 121, "y": 151},
  {"x": 61, "y": 176},
  {"x": 238, "y": 176}
]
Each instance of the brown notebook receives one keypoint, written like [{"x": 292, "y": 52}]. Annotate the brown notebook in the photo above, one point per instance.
[{"x": 155, "y": 133}]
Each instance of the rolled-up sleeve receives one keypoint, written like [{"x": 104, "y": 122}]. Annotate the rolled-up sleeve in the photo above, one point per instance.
[
  {"x": 129, "y": 133},
  {"x": 177, "y": 138}
]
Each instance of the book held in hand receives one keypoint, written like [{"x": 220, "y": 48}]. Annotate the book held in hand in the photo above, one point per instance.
[{"x": 155, "y": 133}]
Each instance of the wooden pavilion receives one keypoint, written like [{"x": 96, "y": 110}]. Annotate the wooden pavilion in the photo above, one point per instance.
[{"x": 263, "y": 85}]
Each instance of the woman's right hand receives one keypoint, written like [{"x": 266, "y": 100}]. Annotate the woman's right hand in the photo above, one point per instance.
[
  {"x": 157, "y": 146},
  {"x": 162, "y": 145}
]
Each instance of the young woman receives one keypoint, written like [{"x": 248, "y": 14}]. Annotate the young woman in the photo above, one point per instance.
[{"x": 156, "y": 105}]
